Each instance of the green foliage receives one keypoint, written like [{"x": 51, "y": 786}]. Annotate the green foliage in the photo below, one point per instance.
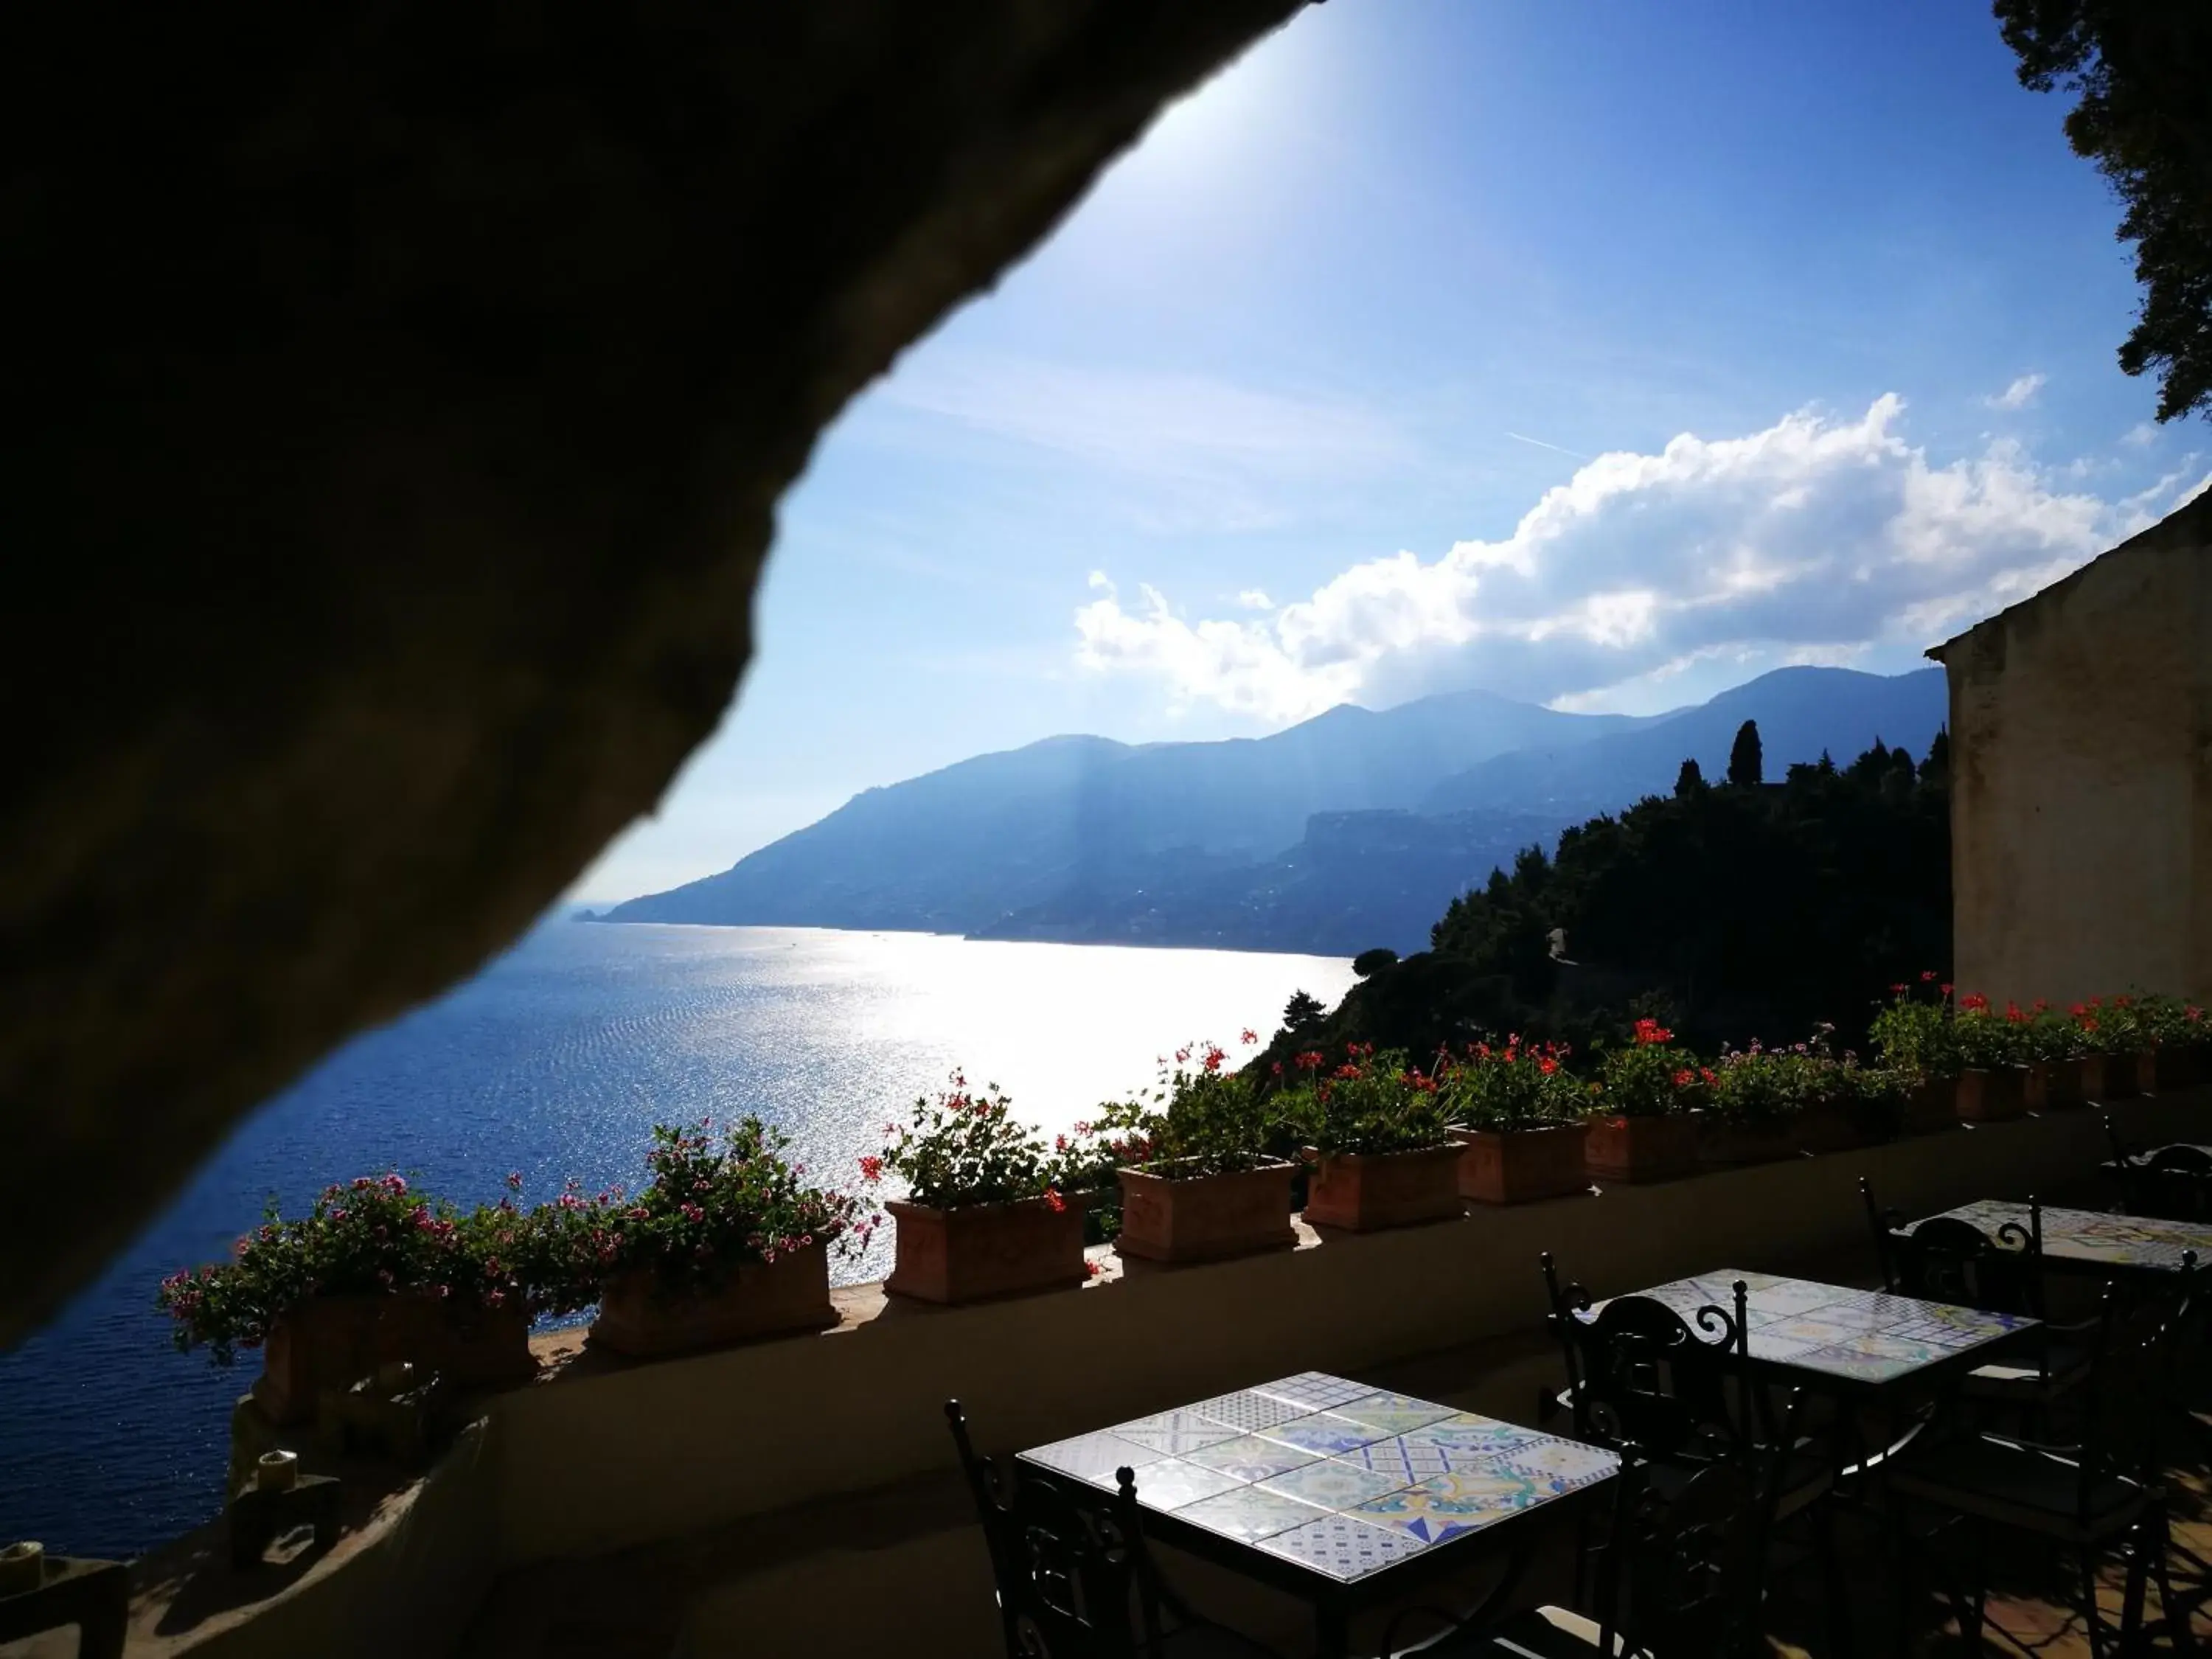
[
  {"x": 1511, "y": 1085},
  {"x": 1369, "y": 1102},
  {"x": 1302, "y": 1013},
  {"x": 1649, "y": 1076},
  {"x": 1369, "y": 963},
  {"x": 1987, "y": 1039},
  {"x": 963, "y": 1146},
  {"x": 1689, "y": 779},
  {"x": 371, "y": 1238},
  {"x": 1758, "y": 1084},
  {"x": 1747, "y": 769},
  {"x": 2171, "y": 1022},
  {"x": 2140, "y": 70},
  {"x": 1199, "y": 1119},
  {"x": 706, "y": 1210},
  {"x": 1914, "y": 1034}
]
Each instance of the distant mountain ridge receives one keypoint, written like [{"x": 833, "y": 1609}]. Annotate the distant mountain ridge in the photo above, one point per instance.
[{"x": 1353, "y": 829}]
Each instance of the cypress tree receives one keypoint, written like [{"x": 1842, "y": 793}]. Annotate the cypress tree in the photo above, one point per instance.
[
  {"x": 1746, "y": 768},
  {"x": 1689, "y": 779}
]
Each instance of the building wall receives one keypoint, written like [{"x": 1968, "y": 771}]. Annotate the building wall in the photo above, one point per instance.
[{"x": 2081, "y": 779}]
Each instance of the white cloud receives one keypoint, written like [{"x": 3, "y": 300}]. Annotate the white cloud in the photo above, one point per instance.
[
  {"x": 1256, "y": 598},
  {"x": 2141, "y": 435},
  {"x": 1812, "y": 541},
  {"x": 2019, "y": 395}
]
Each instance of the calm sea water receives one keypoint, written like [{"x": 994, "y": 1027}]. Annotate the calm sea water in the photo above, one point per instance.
[{"x": 556, "y": 1060}]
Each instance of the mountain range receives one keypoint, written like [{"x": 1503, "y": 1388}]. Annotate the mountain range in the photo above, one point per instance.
[{"x": 1354, "y": 829}]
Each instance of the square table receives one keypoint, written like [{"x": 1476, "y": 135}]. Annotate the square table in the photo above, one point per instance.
[
  {"x": 1335, "y": 1492},
  {"x": 1834, "y": 1338},
  {"x": 2091, "y": 1241}
]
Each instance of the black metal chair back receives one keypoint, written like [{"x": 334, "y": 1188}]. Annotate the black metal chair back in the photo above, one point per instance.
[
  {"x": 1681, "y": 1574},
  {"x": 1885, "y": 1226},
  {"x": 1638, "y": 1376},
  {"x": 2131, "y": 1395},
  {"x": 2172, "y": 1183},
  {"x": 1067, "y": 1572},
  {"x": 1947, "y": 1260}
]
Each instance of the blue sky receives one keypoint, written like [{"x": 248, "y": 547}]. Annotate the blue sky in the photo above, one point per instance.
[{"x": 1605, "y": 357}]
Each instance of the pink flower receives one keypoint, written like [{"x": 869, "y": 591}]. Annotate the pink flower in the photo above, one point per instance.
[
  {"x": 514, "y": 1181},
  {"x": 872, "y": 1168},
  {"x": 1053, "y": 1201},
  {"x": 1250, "y": 1035}
]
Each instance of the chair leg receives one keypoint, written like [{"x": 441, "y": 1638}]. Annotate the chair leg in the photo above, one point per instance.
[
  {"x": 2093, "y": 1622},
  {"x": 2178, "y": 1636},
  {"x": 1831, "y": 1575},
  {"x": 1972, "y": 1628},
  {"x": 2139, "y": 1545}
]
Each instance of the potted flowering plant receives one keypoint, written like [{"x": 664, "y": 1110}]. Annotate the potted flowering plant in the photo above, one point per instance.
[
  {"x": 373, "y": 1273},
  {"x": 2112, "y": 1038},
  {"x": 1916, "y": 1039},
  {"x": 1518, "y": 1114},
  {"x": 1643, "y": 1122},
  {"x": 1754, "y": 1102},
  {"x": 2180, "y": 1043},
  {"x": 2058, "y": 1060},
  {"x": 727, "y": 1243},
  {"x": 983, "y": 1215},
  {"x": 1205, "y": 1185},
  {"x": 1994, "y": 1052},
  {"x": 1376, "y": 1134}
]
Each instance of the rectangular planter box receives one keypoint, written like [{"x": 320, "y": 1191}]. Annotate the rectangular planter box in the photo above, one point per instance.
[
  {"x": 2055, "y": 1086},
  {"x": 1725, "y": 1143},
  {"x": 1205, "y": 1218},
  {"x": 334, "y": 1342},
  {"x": 1519, "y": 1166},
  {"x": 983, "y": 1250},
  {"x": 1834, "y": 1128},
  {"x": 1932, "y": 1106},
  {"x": 757, "y": 1299},
  {"x": 1366, "y": 1192},
  {"x": 1996, "y": 1095},
  {"x": 1638, "y": 1149},
  {"x": 2111, "y": 1077},
  {"x": 2163, "y": 1071}
]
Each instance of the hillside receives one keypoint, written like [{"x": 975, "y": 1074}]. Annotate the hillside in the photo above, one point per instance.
[
  {"x": 1802, "y": 713},
  {"x": 1729, "y": 912},
  {"x": 1354, "y": 829}
]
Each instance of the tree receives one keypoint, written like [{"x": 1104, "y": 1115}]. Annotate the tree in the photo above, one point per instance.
[
  {"x": 1303, "y": 1012},
  {"x": 2141, "y": 69},
  {"x": 1689, "y": 779},
  {"x": 1747, "y": 769},
  {"x": 1368, "y": 964}
]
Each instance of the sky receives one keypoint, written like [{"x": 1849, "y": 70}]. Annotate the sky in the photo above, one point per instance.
[{"x": 1604, "y": 357}]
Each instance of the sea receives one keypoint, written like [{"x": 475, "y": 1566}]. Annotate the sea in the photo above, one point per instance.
[{"x": 556, "y": 1061}]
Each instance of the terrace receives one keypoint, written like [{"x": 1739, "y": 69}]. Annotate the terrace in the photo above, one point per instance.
[{"x": 588, "y": 1512}]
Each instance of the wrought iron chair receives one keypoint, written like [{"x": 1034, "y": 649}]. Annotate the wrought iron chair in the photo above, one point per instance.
[
  {"x": 2171, "y": 1183},
  {"x": 1679, "y": 1578},
  {"x": 2099, "y": 1494},
  {"x": 1643, "y": 1383},
  {"x": 1947, "y": 1260},
  {"x": 1074, "y": 1579}
]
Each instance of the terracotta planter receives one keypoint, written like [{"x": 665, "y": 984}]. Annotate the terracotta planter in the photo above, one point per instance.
[
  {"x": 983, "y": 1250},
  {"x": 1932, "y": 1106},
  {"x": 1720, "y": 1141},
  {"x": 1638, "y": 1149},
  {"x": 2055, "y": 1086},
  {"x": 1366, "y": 1192},
  {"x": 1518, "y": 1166},
  {"x": 1838, "y": 1127},
  {"x": 757, "y": 1299},
  {"x": 2165, "y": 1070},
  {"x": 1205, "y": 1218},
  {"x": 1994, "y": 1095},
  {"x": 2111, "y": 1077},
  {"x": 332, "y": 1342}
]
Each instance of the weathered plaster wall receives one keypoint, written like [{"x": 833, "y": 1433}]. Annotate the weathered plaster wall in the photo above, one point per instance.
[
  {"x": 398, "y": 399},
  {"x": 2081, "y": 779}
]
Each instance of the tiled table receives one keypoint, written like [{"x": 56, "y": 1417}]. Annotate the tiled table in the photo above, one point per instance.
[
  {"x": 1829, "y": 1336},
  {"x": 2088, "y": 1240},
  {"x": 1335, "y": 1492}
]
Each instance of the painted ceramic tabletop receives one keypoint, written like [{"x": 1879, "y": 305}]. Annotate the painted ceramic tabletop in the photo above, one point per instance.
[
  {"x": 2120, "y": 1241},
  {"x": 1864, "y": 1336},
  {"x": 1338, "y": 1476}
]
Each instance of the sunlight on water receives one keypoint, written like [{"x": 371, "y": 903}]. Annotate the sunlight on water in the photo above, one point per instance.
[{"x": 557, "y": 1061}]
